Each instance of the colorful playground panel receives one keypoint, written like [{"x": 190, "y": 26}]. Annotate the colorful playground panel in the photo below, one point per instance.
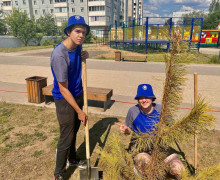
[{"x": 210, "y": 38}]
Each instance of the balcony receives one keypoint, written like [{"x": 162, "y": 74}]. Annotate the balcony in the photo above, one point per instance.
[
  {"x": 96, "y": 3},
  {"x": 7, "y": 8},
  {"x": 60, "y": 14},
  {"x": 97, "y": 23},
  {"x": 63, "y": 4}
]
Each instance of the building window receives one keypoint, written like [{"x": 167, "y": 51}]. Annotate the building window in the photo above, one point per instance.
[
  {"x": 35, "y": 2},
  {"x": 81, "y": 1},
  {"x": 43, "y": 2},
  {"x": 25, "y": 11},
  {"x": 35, "y": 12},
  {"x": 43, "y": 11},
  {"x": 96, "y": 8},
  {"x": 73, "y": 9},
  {"x": 51, "y": 1},
  {"x": 51, "y": 11},
  {"x": 82, "y": 9},
  {"x": 7, "y": 3},
  {"x": 72, "y": 1},
  {"x": 96, "y": 18},
  {"x": 60, "y": 9},
  {"x": 24, "y": 2},
  {"x": 16, "y": 3},
  {"x": 58, "y": 1}
]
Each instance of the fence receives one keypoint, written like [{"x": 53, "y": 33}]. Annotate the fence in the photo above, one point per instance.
[{"x": 153, "y": 33}]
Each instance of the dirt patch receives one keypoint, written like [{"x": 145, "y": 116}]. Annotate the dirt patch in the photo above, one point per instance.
[{"x": 29, "y": 134}]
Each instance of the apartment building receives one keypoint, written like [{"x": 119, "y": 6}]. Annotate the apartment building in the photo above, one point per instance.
[
  {"x": 100, "y": 14},
  {"x": 61, "y": 9},
  {"x": 135, "y": 9}
]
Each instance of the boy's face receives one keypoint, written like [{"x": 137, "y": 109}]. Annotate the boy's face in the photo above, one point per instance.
[
  {"x": 78, "y": 34},
  {"x": 145, "y": 102}
]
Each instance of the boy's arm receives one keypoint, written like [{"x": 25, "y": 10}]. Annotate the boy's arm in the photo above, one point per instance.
[{"x": 71, "y": 100}]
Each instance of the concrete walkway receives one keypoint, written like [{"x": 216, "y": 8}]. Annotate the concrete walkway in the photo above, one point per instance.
[{"x": 122, "y": 77}]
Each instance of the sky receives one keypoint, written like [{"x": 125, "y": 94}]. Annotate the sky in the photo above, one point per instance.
[{"x": 165, "y": 8}]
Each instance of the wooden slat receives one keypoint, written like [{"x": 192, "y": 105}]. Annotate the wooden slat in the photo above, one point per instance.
[
  {"x": 48, "y": 90},
  {"x": 98, "y": 94}
]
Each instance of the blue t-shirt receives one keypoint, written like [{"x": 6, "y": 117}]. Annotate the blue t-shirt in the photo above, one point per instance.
[
  {"x": 140, "y": 122},
  {"x": 66, "y": 66}
]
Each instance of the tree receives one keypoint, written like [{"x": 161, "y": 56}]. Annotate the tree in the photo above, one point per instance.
[
  {"x": 27, "y": 31},
  {"x": 194, "y": 14},
  {"x": 118, "y": 162},
  {"x": 214, "y": 6},
  {"x": 88, "y": 38},
  {"x": 64, "y": 24},
  {"x": 211, "y": 22},
  {"x": 15, "y": 21},
  {"x": 167, "y": 22},
  {"x": 47, "y": 25},
  {"x": 21, "y": 26},
  {"x": 3, "y": 27}
]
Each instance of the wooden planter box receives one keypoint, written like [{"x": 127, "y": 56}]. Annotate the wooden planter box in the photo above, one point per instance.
[{"x": 34, "y": 88}]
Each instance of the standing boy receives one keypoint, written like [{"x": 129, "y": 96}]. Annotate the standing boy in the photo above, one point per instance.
[{"x": 66, "y": 66}]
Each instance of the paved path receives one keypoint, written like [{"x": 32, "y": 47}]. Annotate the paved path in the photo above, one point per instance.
[{"x": 122, "y": 77}]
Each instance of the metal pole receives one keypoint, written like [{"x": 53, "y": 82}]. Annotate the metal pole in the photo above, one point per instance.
[
  {"x": 110, "y": 32},
  {"x": 133, "y": 34},
  {"x": 157, "y": 35},
  {"x": 123, "y": 28},
  {"x": 201, "y": 24},
  {"x": 146, "y": 35},
  {"x": 191, "y": 34},
  {"x": 183, "y": 28},
  {"x": 116, "y": 36}
]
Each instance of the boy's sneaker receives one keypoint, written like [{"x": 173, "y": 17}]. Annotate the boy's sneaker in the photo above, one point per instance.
[
  {"x": 74, "y": 162},
  {"x": 59, "y": 177}
]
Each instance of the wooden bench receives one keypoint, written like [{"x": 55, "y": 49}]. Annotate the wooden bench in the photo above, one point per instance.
[
  {"x": 120, "y": 57},
  {"x": 93, "y": 93},
  {"x": 144, "y": 57}
]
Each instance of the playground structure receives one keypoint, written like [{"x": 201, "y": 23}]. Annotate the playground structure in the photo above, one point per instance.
[
  {"x": 152, "y": 34},
  {"x": 210, "y": 38}
]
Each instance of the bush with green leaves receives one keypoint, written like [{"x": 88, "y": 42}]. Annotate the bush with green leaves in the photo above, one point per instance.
[{"x": 21, "y": 26}]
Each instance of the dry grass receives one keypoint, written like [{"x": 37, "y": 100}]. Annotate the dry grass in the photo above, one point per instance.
[
  {"x": 29, "y": 134},
  {"x": 24, "y": 48}
]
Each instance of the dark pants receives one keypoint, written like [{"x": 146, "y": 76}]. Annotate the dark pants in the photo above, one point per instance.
[{"x": 69, "y": 126}]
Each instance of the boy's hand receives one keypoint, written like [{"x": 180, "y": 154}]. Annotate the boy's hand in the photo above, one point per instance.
[
  {"x": 83, "y": 117},
  {"x": 123, "y": 128},
  {"x": 84, "y": 55}
]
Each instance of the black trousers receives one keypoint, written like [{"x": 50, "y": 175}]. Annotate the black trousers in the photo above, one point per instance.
[{"x": 69, "y": 126}]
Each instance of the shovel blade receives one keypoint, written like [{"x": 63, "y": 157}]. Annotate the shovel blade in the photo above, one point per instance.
[{"x": 94, "y": 173}]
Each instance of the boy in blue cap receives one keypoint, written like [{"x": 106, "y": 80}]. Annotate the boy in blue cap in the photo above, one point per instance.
[
  {"x": 66, "y": 66},
  {"x": 143, "y": 118}
]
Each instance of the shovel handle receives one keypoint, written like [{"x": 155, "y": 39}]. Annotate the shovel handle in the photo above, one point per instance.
[{"x": 84, "y": 79}]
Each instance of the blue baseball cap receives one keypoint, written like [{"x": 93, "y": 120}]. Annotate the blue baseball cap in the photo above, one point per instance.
[
  {"x": 74, "y": 20},
  {"x": 145, "y": 90}
]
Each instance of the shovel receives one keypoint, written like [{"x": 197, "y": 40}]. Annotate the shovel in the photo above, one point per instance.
[{"x": 87, "y": 172}]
